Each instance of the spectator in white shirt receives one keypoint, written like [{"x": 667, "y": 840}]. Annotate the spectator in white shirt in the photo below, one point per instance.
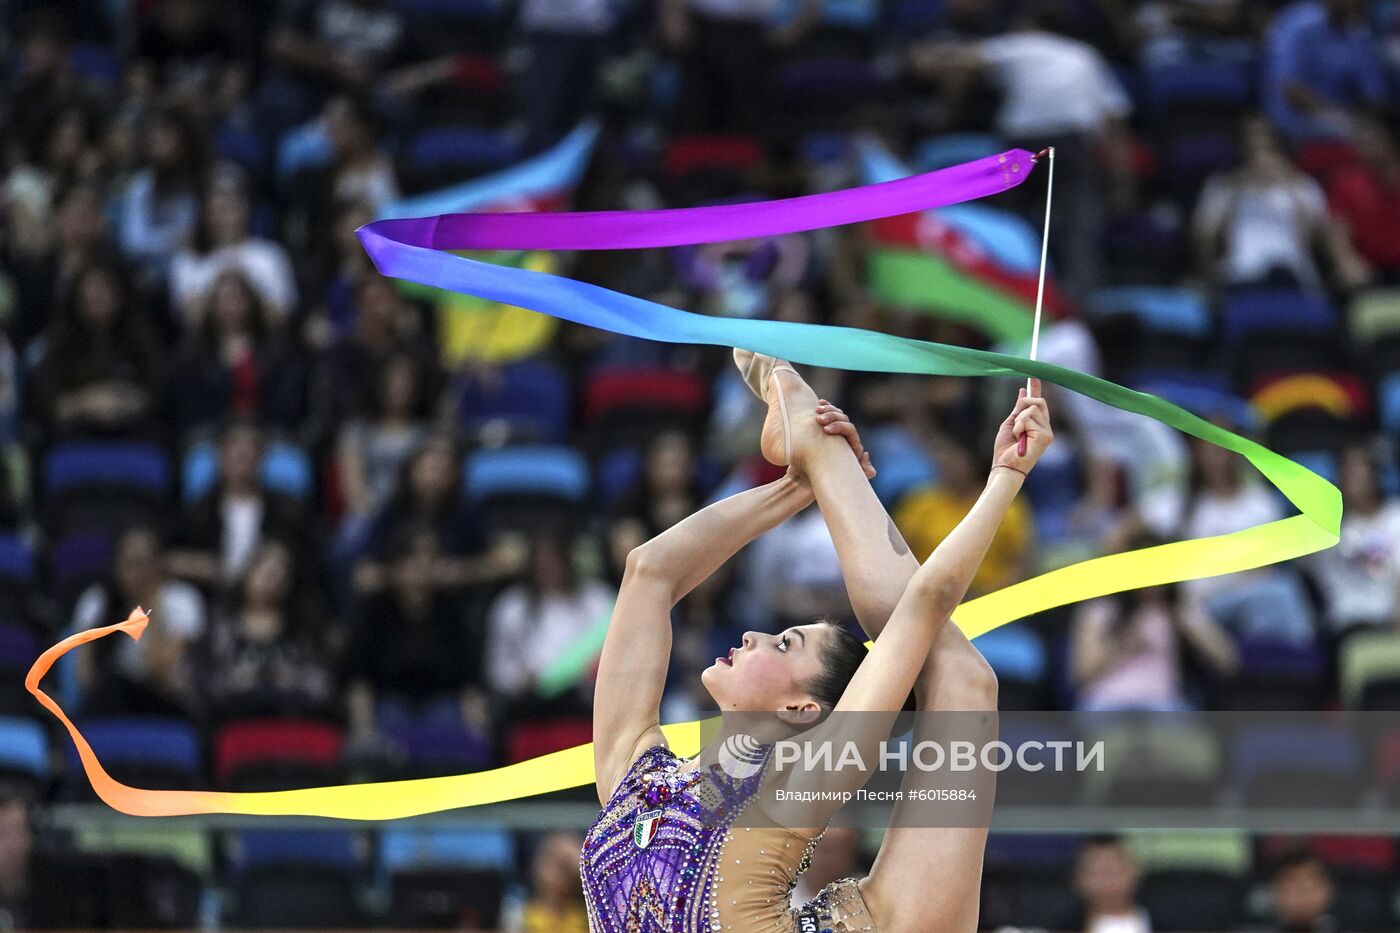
[
  {"x": 1060, "y": 92},
  {"x": 223, "y": 241},
  {"x": 1263, "y": 221},
  {"x": 537, "y": 621},
  {"x": 150, "y": 676},
  {"x": 1360, "y": 577},
  {"x": 1266, "y": 604}
]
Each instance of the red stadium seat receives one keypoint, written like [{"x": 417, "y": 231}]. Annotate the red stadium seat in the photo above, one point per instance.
[
  {"x": 276, "y": 751},
  {"x": 617, "y": 391},
  {"x": 532, "y": 739}
]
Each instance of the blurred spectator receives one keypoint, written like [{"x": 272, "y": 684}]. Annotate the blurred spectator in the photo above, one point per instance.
[
  {"x": 338, "y": 44},
  {"x": 159, "y": 210},
  {"x": 414, "y": 655},
  {"x": 564, "y": 45},
  {"x": 372, "y": 450},
  {"x": 189, "y": 45},
  {"x": 792, "y": 575},
  {"x": 1127, "y": 650},
  {"x": 1195, "y": 30},
  {"x": 42, "y": 75},
  {"x": 727, "y": 50},
  {"x": 1266, "y": 604},
  {"x": 383, "y": 324},
  {"x": 1303, "y": 895},
  {"x": 666, "y": 492},
  {"x": 429, "y": 495},
  {"x": 1321, "y": 64},
  {"x": 265, "y": 654},
  {"x": 1262, "y": 222},
  {"x": 555, "y": 904},
  {"x": 359, "y": 171},
  {"x": 1106, "y": 879},
  {"x": 535, "y": 622},
  {"x": 223, "y": 240},
  {"x": 749, "y": 278},
  {"x": 17, "y": 910},
  {"x": 1365, "y": 197},
  {"x": 1360, "y": 576},
  {"x": 237, "y": 364},
  {"x": 101, "y": 371},
  {"x": 151, "y": 676},
  {"x": 339, "y": 269},
  {"x": 836, "y": 856},
  {"x": 926, "y": 515},
  {"x": 224, "y": 528},
  {"x": 45, "y": 266},
  {"x": 1056, "y": 91}
]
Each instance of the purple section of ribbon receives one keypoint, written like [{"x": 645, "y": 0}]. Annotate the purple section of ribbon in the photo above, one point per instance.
[{"x": 680, "y": 226}]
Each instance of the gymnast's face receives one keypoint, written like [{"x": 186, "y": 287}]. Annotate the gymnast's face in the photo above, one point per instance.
[{"x": 767, "y": 673}]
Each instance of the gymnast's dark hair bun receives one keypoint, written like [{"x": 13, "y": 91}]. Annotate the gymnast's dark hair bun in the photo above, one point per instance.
[{"x": 841, "y": 657}]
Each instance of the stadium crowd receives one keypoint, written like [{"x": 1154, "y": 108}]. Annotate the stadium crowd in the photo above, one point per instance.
[{"x": 374, "y": 523}]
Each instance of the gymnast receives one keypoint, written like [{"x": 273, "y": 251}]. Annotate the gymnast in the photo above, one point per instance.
[{"x": 683, "y": 874}]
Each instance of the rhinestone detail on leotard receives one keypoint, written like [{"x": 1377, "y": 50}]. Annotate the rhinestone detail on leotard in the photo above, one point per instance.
[{"x": 668, "y": 885}]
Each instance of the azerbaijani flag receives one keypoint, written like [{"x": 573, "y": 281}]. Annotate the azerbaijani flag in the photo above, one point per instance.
[
  {"x": 966, "y": 262},
  {"x": 471, "y": 328}
]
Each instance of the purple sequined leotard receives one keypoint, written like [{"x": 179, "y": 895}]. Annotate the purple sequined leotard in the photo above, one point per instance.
[{"x": 664, "y": 856}]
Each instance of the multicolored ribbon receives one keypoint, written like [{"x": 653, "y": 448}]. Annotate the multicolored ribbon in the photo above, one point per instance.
[{"x": 410, "y": 249}]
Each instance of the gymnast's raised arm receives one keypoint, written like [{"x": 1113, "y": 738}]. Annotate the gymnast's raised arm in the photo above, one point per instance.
[
  {"x": 632, "y": 668},
  {"x": 885, "y": 677}
]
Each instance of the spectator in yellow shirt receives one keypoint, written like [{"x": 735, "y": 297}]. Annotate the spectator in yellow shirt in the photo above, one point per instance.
[
  {"x": 556, "y": 893},
  {"x": 926, "y": 515}
]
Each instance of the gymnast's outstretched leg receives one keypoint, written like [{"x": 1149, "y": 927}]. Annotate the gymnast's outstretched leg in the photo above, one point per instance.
[{"x": 922, "y": 878}]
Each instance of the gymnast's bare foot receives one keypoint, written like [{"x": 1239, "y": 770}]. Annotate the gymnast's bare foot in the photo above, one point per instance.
[{"x": 796, "y": 417}]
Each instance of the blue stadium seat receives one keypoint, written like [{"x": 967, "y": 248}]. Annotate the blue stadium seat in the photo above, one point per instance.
[
  {"x": 144, "y": 741},
  {"x": 901, "y": 464},
  {"x": 557, "y": 472},
  {"x": 1015, "y": 652},
  {"x": 1204, "y": 394},
  {"x": 460, "y": 146},
  {"x": 24, "y": 747},
  {"x": 96, "y": 63},
  {"x": 616, "y": 474},
  {"x": 1219, "y": 81},
  {"x": 954, "y": 149},
  {"x": 1272, "y": 763},
  {"x": 824, "y": 148},
  {"x": 1252, "y": 312},
  {"x": 324, "y": 848},
  {"x": 531, "y": 396},
  {"x": 286, "y": 468},
  {"x": 476, "y": 847},
  {"x": 1279, "y": 659},
  {"x": 441, "y": 749},
  {"x": 79, "y": 558},
  {"x": 1174, "y": 310},
  {"x": 473, "y": 10},
  {"x": 106, "y": 465},
  {"x": 1388, "y": 402},
  {"x": 18, "y": 648},
  {"x": 16, "y": 561},
  {"x": 914, "y": 17},
  {"x": 1032, "y": 849},
  {"x": 300, "y": 148},
  {"x": 1321, "y": 462},
  {"x": 247, "y": 147}
]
